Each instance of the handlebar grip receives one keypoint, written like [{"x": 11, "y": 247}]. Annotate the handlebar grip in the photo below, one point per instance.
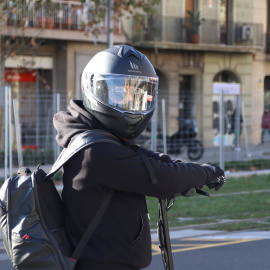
[{"x": 201, "y": 192}]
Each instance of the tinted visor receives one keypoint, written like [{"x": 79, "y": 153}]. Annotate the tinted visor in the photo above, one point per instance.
[{"x": 125, "y": 93}]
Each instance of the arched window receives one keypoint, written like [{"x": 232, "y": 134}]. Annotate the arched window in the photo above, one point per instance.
[
  {"x": 226, "y": 76},
  {"x": 230, "y": 110}
]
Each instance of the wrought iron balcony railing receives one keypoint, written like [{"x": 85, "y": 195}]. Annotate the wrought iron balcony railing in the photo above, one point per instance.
[
  {"x": 69, "y": 15},
  {"x": 73, "y": 15},
  {"x": 174, "y": 29}
]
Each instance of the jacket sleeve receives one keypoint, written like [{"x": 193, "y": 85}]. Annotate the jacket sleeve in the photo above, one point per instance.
[{"x": 121, "y": 168}]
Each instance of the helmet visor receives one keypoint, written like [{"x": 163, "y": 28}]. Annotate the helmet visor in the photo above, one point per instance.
[{"x": 125, "y": 93}]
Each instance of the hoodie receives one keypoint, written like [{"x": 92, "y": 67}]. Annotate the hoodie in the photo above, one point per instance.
[{"x": 122, "y": 239}]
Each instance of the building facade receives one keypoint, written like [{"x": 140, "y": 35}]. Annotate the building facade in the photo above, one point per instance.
[
  {"x": 196, "y": 46},
  {"x": 232, "y": 49}
]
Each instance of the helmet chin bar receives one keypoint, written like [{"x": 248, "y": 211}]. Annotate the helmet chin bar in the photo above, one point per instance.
[
  {"x": 131, "y": 121},
  {"x": 125, "y": 127},
  {"x": 132, "y": 124}
]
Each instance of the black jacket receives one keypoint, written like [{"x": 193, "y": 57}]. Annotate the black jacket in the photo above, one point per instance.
[{"x": 122, "y": 240}]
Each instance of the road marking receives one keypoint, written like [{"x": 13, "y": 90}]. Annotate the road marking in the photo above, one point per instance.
[
  {"x": 156, "y": 249},
  {"x": 194, "y": 246}
]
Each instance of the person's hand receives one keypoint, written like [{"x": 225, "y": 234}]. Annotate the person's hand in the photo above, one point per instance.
[{"x": 218, "y": 179}]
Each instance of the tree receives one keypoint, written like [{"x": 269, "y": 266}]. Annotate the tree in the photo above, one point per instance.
[{"x": 15, "y": 15}]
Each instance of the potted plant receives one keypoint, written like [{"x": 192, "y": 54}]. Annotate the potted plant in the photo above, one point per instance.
[{"x": 194, "y": 22}]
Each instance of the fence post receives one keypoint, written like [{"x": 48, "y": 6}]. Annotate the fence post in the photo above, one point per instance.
[
  {"x": 221, "y": 129},
  {"x": 164, "y": 131},
  {"x": 154, "y": 131},
  {"x": 57, "y": 110},
  {"x": 245, "y": 130},
  {"x": 18, "y": 132},
  {"x": 237, "y": 148},
  {"x": 38, "y": 121},
  {"x": 10, "y": 131},
  {"x": 6, "y": 131}
]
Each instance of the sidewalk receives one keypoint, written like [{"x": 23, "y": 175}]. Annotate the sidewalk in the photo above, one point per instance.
[{"x": 207, "y": 234}]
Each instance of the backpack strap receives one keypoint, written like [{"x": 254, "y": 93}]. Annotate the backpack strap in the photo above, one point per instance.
[
  {"x": 148, "y": 165},
  {"x": 91, "y": 227},
  {"x": 81, "y": 141}
]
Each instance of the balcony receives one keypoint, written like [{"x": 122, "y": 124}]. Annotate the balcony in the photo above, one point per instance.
[
  {"x": 68, "y": 20},
  {"x": 173, "y": 32},
  {"x": 60, "y": 20}
]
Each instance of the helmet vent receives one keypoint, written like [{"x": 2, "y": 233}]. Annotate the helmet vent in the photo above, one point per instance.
[{"x": 125, "y": 51}]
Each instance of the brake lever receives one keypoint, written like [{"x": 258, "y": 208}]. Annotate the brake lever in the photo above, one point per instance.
[
  {"x": 170, "y": 204},
  {"x": 192, "y": 191}
]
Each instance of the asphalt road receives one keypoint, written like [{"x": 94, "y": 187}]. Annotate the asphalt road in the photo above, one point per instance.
[
  {"x": 206, "y": 250},
  {"x": 221, "y": 255}
]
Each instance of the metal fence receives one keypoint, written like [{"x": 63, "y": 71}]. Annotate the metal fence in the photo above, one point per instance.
[
  {"x": 178, "y": 128},
  {"x": 28, "y": 135}
]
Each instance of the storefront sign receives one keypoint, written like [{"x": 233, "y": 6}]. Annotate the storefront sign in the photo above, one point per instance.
[
  {"x": 23, "y": 76},
  {"x": 228, "y": 88}
]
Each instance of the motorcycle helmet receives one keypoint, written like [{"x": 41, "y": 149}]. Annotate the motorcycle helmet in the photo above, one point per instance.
[{"x": 120, "y": 87}]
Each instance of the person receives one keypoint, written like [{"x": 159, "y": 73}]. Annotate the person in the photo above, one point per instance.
[
  {"x": 111, "y": 83},
  {"x": 235, "y": 128},
  {"x": 265, "y": 124}
]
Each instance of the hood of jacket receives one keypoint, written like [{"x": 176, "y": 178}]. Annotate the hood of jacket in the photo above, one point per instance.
[{"x": 70, "y": 123}]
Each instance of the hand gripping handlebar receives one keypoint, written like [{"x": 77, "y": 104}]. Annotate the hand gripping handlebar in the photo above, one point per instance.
[{"x": 192, "y": 191}]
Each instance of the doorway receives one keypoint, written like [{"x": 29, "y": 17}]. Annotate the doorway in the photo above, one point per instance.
[
  {"x": 186, "y": 97},
  {"x": 232, "y": 118},
  {"x": 266, "y": 97}
]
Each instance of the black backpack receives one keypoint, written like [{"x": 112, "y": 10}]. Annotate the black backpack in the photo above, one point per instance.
[{"x": 32, "y": 215}]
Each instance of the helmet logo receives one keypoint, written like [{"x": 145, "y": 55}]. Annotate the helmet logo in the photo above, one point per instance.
[{"x": 133, "y": 66}]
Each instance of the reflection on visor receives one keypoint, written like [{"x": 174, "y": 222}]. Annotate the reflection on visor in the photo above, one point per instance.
[{"x": 126, "y": 93}]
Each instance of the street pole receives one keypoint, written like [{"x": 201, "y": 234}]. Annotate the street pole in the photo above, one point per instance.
[
  {"x": 109, "y": 24},
  {"x": 237, "y": 128},
  {"x": 164, "y": 131},
  {"x": 221, "y": 129},
  {"x": 6, "y": 131}
]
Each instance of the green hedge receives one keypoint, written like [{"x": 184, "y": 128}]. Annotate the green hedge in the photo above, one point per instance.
[{"x": 250, "y": 165}]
